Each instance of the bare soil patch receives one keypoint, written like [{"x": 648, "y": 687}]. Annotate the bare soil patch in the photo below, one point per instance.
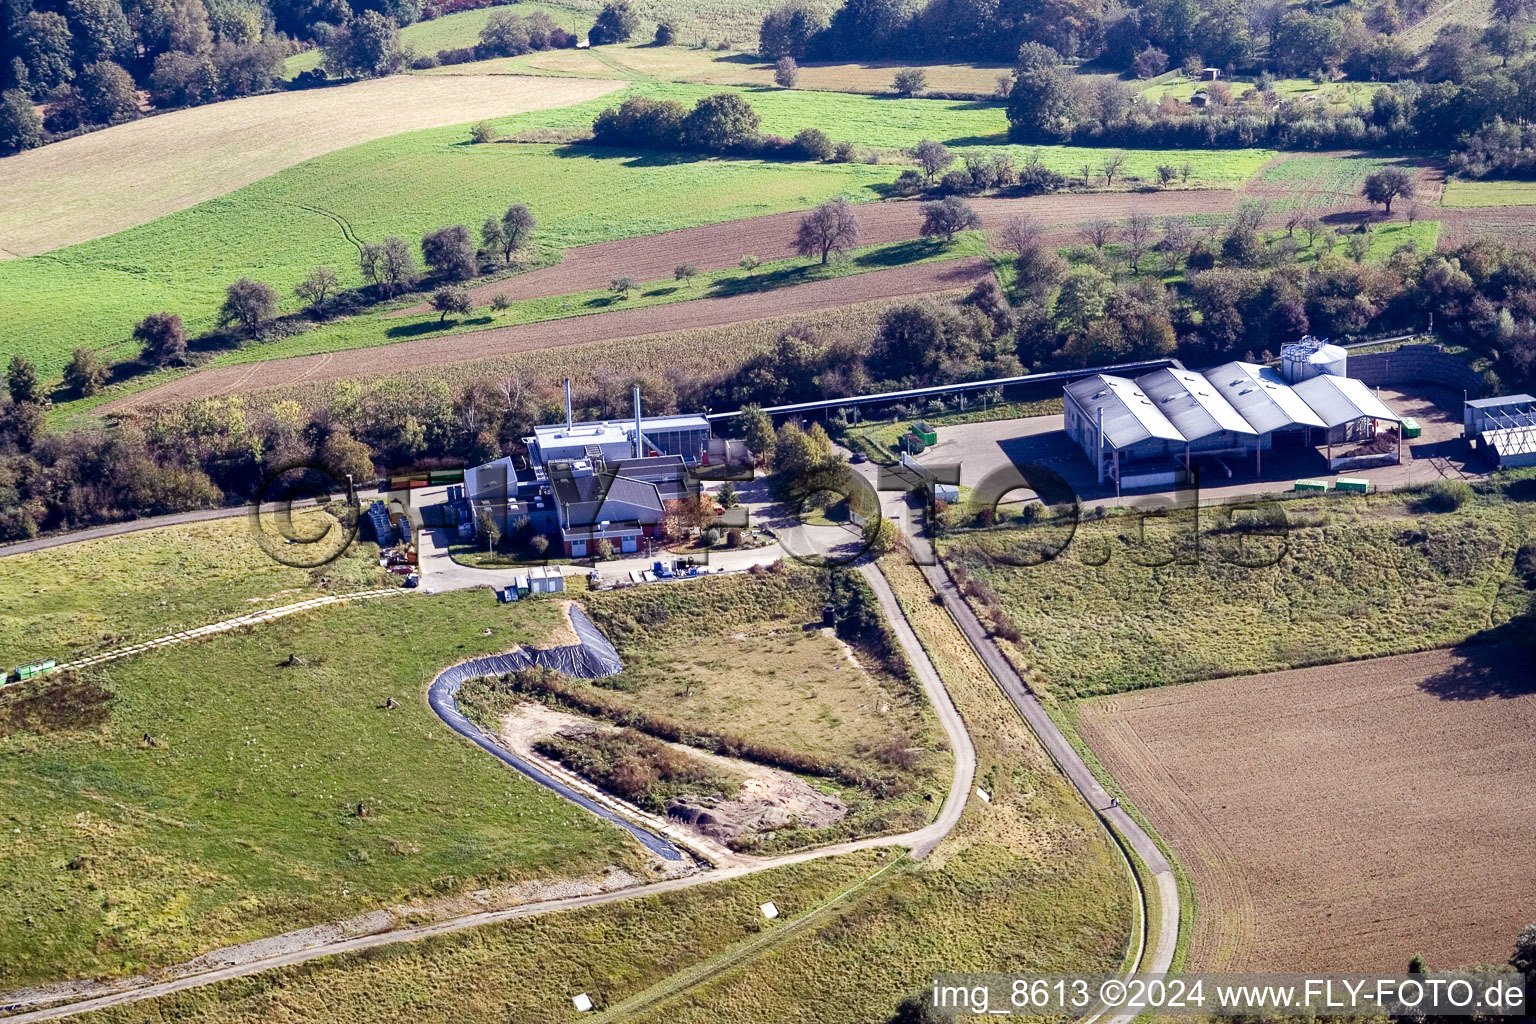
[
  {"x": 106, "y": 181},
  {"x": 768, "y": 799},
  {"x": 1345, "y": 817},
  {"x": 616, "y": 327}
]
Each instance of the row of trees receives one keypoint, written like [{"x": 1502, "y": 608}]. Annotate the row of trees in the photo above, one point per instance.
[
  {"x": 1048, "y": 103},
  {"x": 1147, "y": 37}
]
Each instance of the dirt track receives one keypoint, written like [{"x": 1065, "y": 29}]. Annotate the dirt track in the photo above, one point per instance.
[
  {"x": 1341, "y": 818},
  {"x": 628, "y": 323},
  {"x": 718, "y": 246}
]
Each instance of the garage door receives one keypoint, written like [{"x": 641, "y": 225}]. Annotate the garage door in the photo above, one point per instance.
[
  {"x": 578, "y": 548},
  {"x": 631, "y": 544}
]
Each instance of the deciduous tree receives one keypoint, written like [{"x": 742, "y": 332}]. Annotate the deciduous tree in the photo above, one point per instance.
[
  {"x": 163, "y": 337},
  {"x": 831, "y": 227},
  {"x": 452, "y": 299},
  {"x": 450, "y": 251},
  {"x": 85, "y": 373},
  {"x": 317, "y": 287},
  {"x": 948, "y": 217},
  {"x": 1383, "y": 186},
  {"x": 249, "y": 303}
]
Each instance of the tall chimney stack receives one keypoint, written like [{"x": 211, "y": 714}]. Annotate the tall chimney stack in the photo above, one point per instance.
[
  {"x": 639, "y": 446},
  {"x": 569, "y": 422}
]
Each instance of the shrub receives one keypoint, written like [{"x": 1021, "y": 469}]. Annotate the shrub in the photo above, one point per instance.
[
  {"x": 483, "y": 131},
  {"x": 957, "y": 183},
  {"x": 1445, "y": 496},
  {"x": 665, "y": 34},
  {"x": 910, "y": 81},
  {"x": 813, "y": 144},
  {"x": 786, "y": 72},
  {"x": 844, "y": 152},
  {"x": 615, "y": 24},
  {"x": 908, "y": 183}
]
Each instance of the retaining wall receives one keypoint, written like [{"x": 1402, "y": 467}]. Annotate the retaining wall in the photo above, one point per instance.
[{"x": 1416, "y": 364}]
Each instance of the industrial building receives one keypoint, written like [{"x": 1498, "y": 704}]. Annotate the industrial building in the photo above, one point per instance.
[
  {"x": 1147, "y": 431},
  {"x": 1503, "y": 428},
  {"x": 598, "y": 480},
  {"x": 687, "y": 437},
  {"x": 619, "y": 502}
]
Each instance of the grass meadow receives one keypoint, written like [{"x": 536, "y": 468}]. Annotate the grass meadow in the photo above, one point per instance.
[
  {"x": 1025, "y": 882},
  {"x": 318, "y": 212},
  {"x": 1355, "y": 578},
  {"x": 453, "y": 31},
  {"x": 197, "y": 574},
  {"x": 1464, "y": 194},
  {"x": 644, "y": 61},
  {"x": 239, "y": 818}
]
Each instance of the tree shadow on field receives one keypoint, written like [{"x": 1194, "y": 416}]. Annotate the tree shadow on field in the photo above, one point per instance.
[
  {"x": 1000, "y": 139},
  {"x": 1494, "y": 664},
  {"x": 433, "y": 326}
]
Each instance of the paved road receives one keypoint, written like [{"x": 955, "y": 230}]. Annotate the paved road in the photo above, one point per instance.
[{"x": 921, "y": 842}]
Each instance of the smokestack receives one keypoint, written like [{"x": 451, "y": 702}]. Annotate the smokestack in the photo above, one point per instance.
[
  {"x": 568, "y": 419},
  {"x": 639, "y": 447}
]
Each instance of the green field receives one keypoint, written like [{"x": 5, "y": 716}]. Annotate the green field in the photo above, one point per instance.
[
  {"x": 1330, "y": 93},
  {"x": 1360, "y": 577},
  {"x": 239, "y": 818},
  {"x": 198, "y": 574},
  {"x": 1460, "y": 193}
]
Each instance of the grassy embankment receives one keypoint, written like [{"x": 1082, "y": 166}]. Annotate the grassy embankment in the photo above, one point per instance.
[
  {"x": 1358, "y": 577},
  {"x": 238, "y": 818},
  {"x": 383, "y": 328}
]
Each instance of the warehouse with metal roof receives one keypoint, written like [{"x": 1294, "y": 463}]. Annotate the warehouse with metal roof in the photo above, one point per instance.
[{"x": 1148, "y": 431}]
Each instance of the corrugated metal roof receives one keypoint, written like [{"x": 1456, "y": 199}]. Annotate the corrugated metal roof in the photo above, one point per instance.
[
  {"x": 1192, "y": 404},
  {"x": 1342, "y": 399},
  {"x": 1494, "y": 403},
  {"x": 1262, "y": 397},
  {"x": 1129, "y": 415}
]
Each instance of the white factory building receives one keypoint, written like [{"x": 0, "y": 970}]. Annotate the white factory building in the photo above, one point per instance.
[{"x": 1148, "y": 431}]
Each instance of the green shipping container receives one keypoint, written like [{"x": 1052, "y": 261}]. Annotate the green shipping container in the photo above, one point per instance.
[
  {"x": 927, "y": 433},
  {"x": 1411, "y": 427},
  {"x": 914, "y": 445},
  {"x": 1352, "y": 485},
  {"x": 1311, "y": 487}
]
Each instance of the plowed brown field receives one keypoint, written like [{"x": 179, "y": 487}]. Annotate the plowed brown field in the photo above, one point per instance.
[
  {"x": 617, "y": 326},
  {"x": 717, "y": 246},
  {"x": 1346, "y": 817}
]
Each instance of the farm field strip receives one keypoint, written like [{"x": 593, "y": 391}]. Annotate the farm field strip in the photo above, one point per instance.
[
  {"x": 278, "y": 228},
  {"x": 771, "y": 237},
  {"x": 108, "y": 181},
  {"x": 608, "y": 327},
  {"x": 1289, "y": 802},
  {"x": 711, "y": 247}
]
